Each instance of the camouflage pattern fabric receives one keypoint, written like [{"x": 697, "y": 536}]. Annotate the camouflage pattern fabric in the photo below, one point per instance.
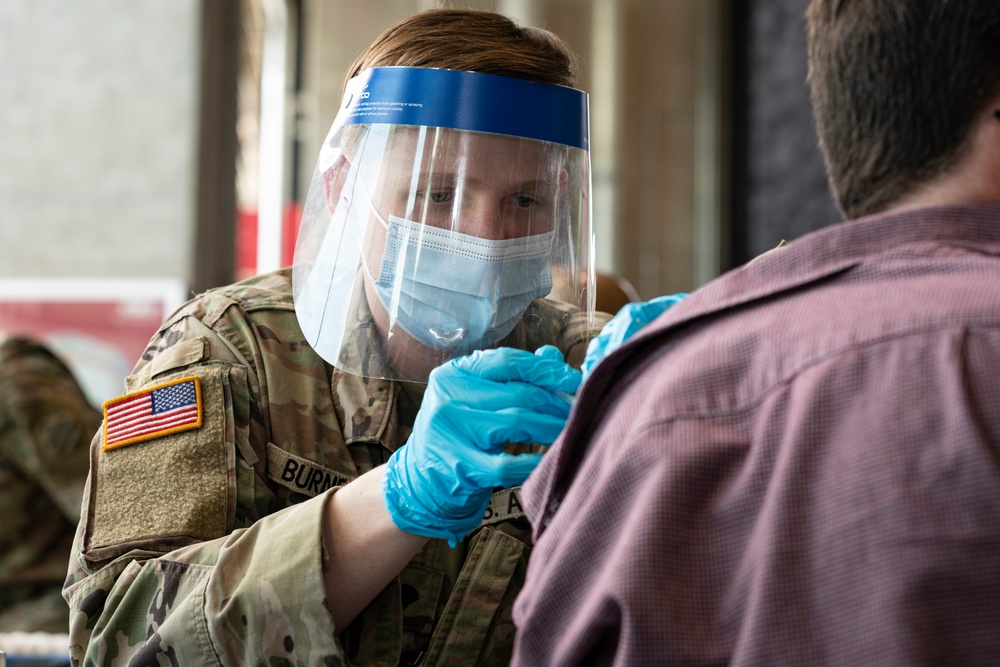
[
  {"x": 46, "y": 426},
  {"x": 204, "y": 546}
]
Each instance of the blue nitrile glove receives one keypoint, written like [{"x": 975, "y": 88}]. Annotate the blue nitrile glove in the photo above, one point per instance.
[
  {"x": 439, "y": 483},
  {"x": 624, "y": 325}
]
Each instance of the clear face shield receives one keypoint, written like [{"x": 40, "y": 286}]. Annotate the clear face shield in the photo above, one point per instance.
[{"x": 444, "y": 203}]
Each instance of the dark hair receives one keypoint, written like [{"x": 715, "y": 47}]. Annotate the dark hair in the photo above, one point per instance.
[
  {"x": 474, "y": 41},
  {"x": 896, "y": 86}
]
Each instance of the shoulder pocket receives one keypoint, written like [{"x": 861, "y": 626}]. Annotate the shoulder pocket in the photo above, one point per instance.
[
  {"x": 160, "y": 484},
  {"x": 476, "y": 626}
]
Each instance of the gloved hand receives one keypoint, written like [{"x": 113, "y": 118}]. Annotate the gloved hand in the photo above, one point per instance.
[
  {"x": 624, "y": 325},
  {"x": 439, "y": 483}
]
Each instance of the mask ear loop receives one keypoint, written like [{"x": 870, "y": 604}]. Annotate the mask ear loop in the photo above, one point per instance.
[
  {"x": 392, "y": 308},
  {"x": 360, "y": 184},
  {"x": 377, "y": 136}
]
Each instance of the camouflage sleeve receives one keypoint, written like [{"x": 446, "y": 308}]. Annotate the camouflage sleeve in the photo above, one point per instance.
[
  {"x": 176, "y": 559},
  {"x": 45, "y": 430},
  {"x": 45, "y": 424},
  {"x": 255, "y": 596}
]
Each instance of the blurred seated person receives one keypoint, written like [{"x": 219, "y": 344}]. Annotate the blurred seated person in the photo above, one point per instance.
[{"x": 46, "y": 425}]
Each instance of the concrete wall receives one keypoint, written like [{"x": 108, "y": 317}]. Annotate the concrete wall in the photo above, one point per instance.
[{"x": 98, "y": 134}]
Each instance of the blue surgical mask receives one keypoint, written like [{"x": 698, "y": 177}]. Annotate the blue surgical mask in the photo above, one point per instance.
[{"x": 457, "y": 292}]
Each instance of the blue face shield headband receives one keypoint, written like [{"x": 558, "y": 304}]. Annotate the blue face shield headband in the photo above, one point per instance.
[
  {"x": 467, "y": 101},
  {"x": 410, "y": 153}
]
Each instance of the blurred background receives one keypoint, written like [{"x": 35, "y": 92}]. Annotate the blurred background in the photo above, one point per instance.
[{"x": 150, "y": 149}]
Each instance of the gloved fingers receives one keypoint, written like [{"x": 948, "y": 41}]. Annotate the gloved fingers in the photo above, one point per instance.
[
  {"x": 419, "y": 513},
  {"x": 492, "y": 397},
  {"x": 506, "y": 364},
  {"x": 555, "y": 354},
  {"x": 550, "y": 352},
  {"x": 660, "y": 304},
  {"x": 489, "y": 430},
  {"x": 503, "y": 469},
  {"x": 454, "y": 391},
  {"x": 596, "y": 350},
  {"x": 418, "y": 484},
  {"x": 650, "y": 310},
  {"x": 527, "y": 398},
  {"x": 635, "y": 316},
  {"x": 513, "y": 470},
  {"x": 630, "y": 319},
  {"x": 437, "y": 484}
]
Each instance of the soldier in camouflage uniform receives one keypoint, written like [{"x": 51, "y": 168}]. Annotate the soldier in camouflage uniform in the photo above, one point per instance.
[
  {"x": 235, "y": 482},
  {"x": 46, "y": 425}
]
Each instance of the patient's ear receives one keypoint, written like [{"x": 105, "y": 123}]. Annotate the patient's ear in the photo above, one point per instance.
[{"x": 333, "y": 181}]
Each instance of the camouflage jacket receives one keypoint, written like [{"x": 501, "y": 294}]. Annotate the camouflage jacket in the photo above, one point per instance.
[
  {"x": 46, "y": 425},
  {"x": 201, "y": 542}
]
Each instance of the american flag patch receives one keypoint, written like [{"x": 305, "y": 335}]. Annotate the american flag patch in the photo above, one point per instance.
[{"x": 152, "y": 413}]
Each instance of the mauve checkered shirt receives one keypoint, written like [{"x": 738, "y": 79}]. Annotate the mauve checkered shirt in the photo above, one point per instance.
[{"x": 797, "y": 465}]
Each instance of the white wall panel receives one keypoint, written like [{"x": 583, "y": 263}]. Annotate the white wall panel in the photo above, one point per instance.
[{"x": 98, "y": 132}]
